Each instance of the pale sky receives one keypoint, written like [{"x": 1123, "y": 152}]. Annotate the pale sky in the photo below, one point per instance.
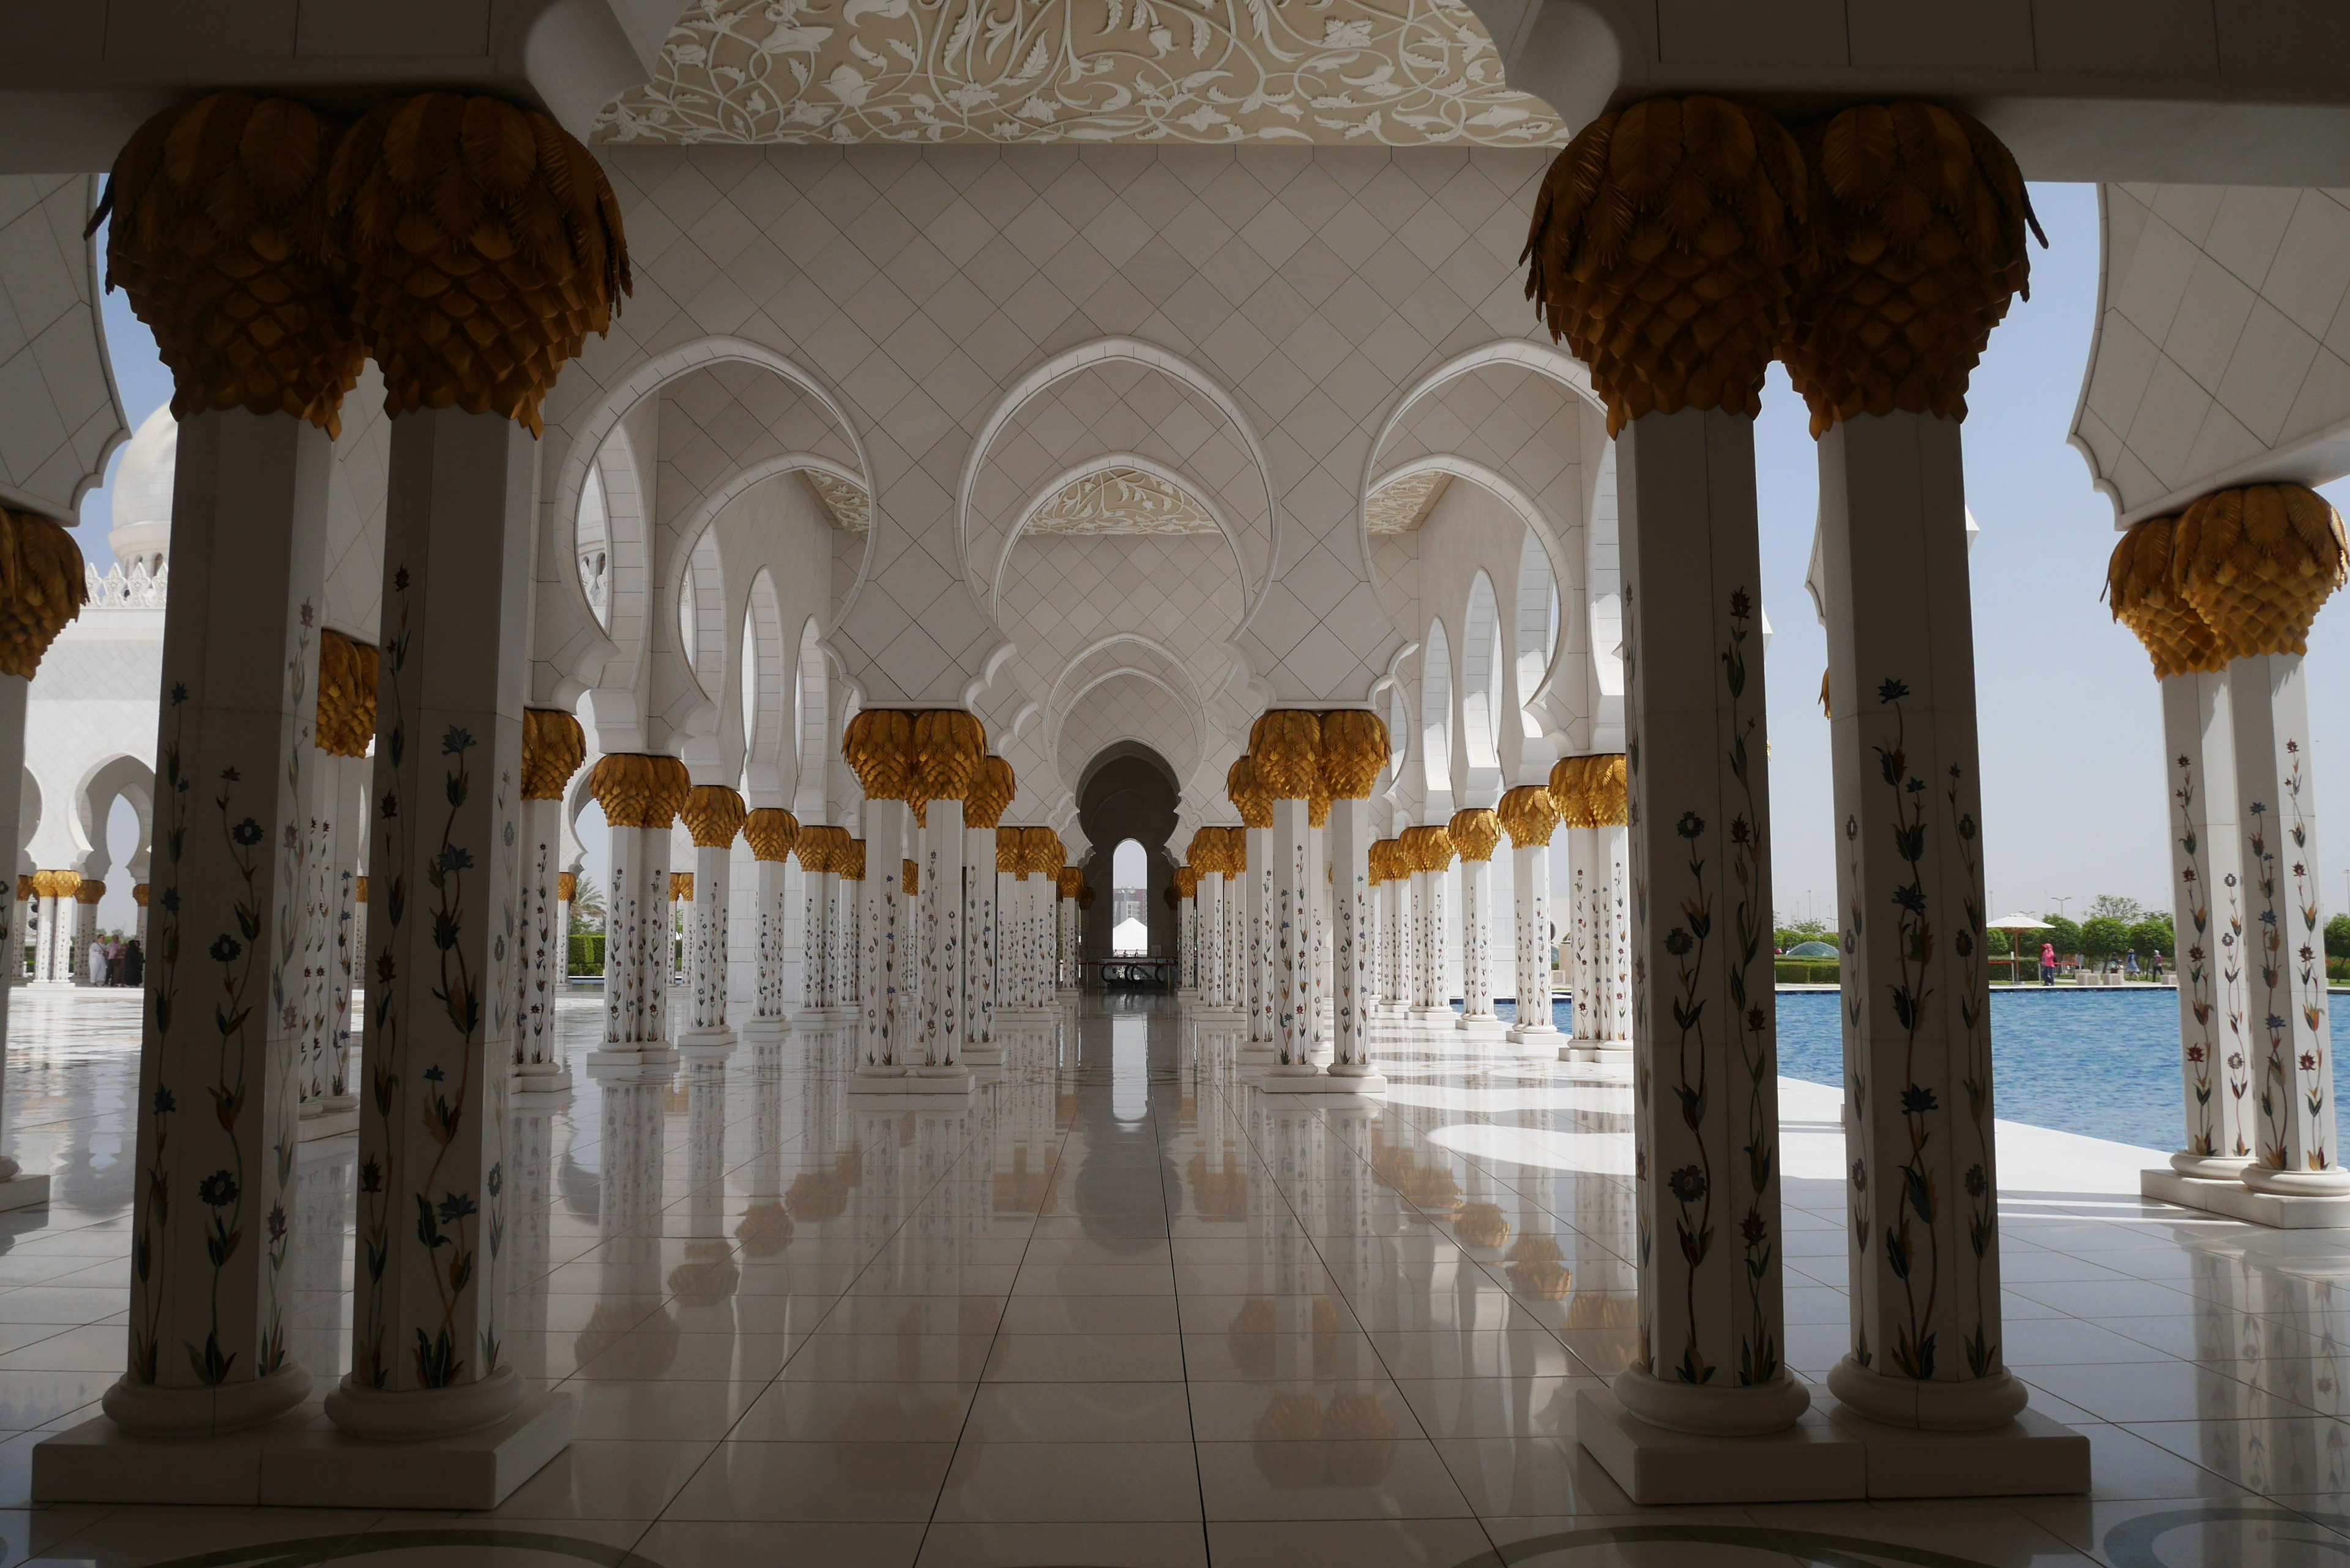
[{"x": 2072, "y": 726}]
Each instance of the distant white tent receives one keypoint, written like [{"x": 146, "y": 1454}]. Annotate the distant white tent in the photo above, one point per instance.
[{"x": 1130, "y": 936}]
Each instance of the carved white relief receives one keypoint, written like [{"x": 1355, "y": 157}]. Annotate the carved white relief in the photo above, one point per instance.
[
  {"x": 1401, "y": 507},
  {"x": 1120, "y": 501},
  {"x": 849, "y": 507},
  {"x": 1403, "y": 73}
]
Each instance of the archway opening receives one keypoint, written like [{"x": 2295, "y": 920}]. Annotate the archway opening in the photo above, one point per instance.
[{"x": 1130, "y": 922}]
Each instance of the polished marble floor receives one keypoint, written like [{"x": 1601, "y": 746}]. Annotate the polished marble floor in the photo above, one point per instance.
[{"x": 1121, "y": 1309}]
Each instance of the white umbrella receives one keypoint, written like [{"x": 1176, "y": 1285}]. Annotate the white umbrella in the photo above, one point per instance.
[{"x": 2016, "y": 923}]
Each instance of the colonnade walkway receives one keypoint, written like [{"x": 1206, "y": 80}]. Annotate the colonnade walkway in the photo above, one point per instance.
[{"x": 1121, "y": 1307}]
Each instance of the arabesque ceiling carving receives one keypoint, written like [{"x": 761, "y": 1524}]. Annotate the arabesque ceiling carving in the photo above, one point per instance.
[
  {"x": 847, "y": 504},
  {"x": 1404, "y": 506},
  {"x": 1120, "y": 501},
  {"x": 1398, "y": 73}
]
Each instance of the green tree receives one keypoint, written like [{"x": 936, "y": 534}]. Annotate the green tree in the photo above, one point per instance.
[
  {"x": 2114, "y": 907},
  {"x": 2103, "y": 936},
  {"x": 2153, "y": 935},
  {"x": 1795, "y": 931},
  {"x": 586, "y": 905},
  {"x": 2337, "y": 937},
  {"x": 2063, "y": 935}
]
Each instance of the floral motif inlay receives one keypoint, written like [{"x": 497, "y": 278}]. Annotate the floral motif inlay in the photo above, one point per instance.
[
  {"x": 1404, "y": 506},
  {"x": 850, "y": 506},
  {"x": 1120, "y": 501},
  {"x": 1401, "y": 73}
]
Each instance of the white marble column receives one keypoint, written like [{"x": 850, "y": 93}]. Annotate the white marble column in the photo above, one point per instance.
[
  {"x": 713, "y": 815},
  {"x": 945, "y": 943},
  {"x": 772, "y": 833},
  {"x": 2292, "y": 1123},
  {"x": 346, "y": 977},
  {"x": 314, "y": 1001},
  {"x": 554, "y": 745},
  {"x": 2207, "y": 918},
  {"x": 1706, "y": 1122},
  {"x": 1211, "y": 901},
  {"x": 640, "y": 795},
  {"x": 817, "y": 899},
  {"x": 1531, "y": 818},
  {"x": 457, "y": 549},
  {"x": 85, "y": 926},
  {"x": 979, "y": 920},
  {"x": 1257, "y": 940},
  {"x": 1476, "y": 834},
  {"x": 17, "y": 1189},
  {"x": 1352, "y": 945},
  {"x": 1293, "y": 923},
  {"x": 216, "y": 1102},
  {"x": 891, "y": 1001}
]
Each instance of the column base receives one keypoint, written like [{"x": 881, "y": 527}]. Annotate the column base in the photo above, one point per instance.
[
  {"x": 330, "y": 1118},
  {"x": 913, "y": 1085},
  {"x": 988, "y": 1056},
  {"x": 1480, "y": 1026},
  {"x": 302, "y": 1461},
  {"x": 1432, "y": 1016},
  {"x": 170, "y": 1413},
  {"x": 2333, "y": 1183},
  {"x": 540, "y": 1078},
  {"x": 2210, "y": 1166},
  {"x": 1533, "y": 1035},
  {"x": 1277, "y": 1081},
  {"x": 706, "y": 1044},
  {"x": 654, "y": 1060},
  {"x": 766, "y": 1031},
  {"x": 2231, "y": 1197},
  {"x": 1028, "y": 1015},
  {"x": 2031, "y": 1456},
  {"x": 23, "y": 1191},
  {"x": 1810, "y": 1461}
]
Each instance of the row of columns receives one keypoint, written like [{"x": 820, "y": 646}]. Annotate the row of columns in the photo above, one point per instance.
[{"x": 2223, "y": 594}]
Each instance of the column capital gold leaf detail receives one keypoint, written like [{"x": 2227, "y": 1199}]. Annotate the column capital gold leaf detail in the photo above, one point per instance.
[
  {"x": 640, "y": 791},
  {"x": 553, "y": 746},
  {"x": 43, "y": 586},
  {"x": 1187, "y": 882},
  {"x": 1568, "y": 790},
  {"x": 89, "y": 890},
  {"x": 1607, "y": 790},
  {"x": 1476, "y": 833},
  {"x": 1245, "y": 788},
  {"x": 347, "y": 680},
  {"x": 1665, "y": 249},
  {"x": 1918, "y": 216},
  {"x": 1530, "y": 816},
  {"x": 567, "y": 886},
  {"x": 2144, "y": 596},
  {"x": 950, "y": 749},
  {"x": 1355, "y": 751},
  {"x": 879, "y": 747},
  {"x": 713, "y": 814},
  {"x": 218, "y": 235},
  {"x": 992, "y": 789},
  {"x": 139, "y": 894},
  {"x": 1285, "y": 743},
  {"x": 771, "y": 833},
  {"x": 480, "y": 244},
  {"x": 2257, "y": 563},
  {"x": 680, "y": 887}
]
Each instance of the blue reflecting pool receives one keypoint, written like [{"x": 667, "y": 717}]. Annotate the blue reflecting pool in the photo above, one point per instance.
[{"x": 2100, "y": 1063}]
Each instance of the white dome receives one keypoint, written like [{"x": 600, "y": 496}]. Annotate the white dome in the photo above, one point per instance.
[{"x": 142, "y": 488}]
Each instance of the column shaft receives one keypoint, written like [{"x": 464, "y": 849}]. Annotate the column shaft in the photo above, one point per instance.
[
  {"x": 1706, "y": 1074},
  {"x": 888, "y": 982},
  {"x": 770, "y": 1018},
  {"x": 216, "y": 1105},
  {"x": 706, "y": 935},
  {"x": 1351, "y": 947},
  {"x": 2207, "y": 902},
  {"x": 944, "y": 944},
  {"x": 1923, "y": 1183},
  {"x": 1292, "y": 923},
  {"x": 636, "y": 945},
  {"x": 425, "y": 1344},
  {"x": 1530, "y": 890},
  {"x": 537, "y": 1060},
  {"x": 1477, "y": 943},
  {"x": 979, "y": 885}
]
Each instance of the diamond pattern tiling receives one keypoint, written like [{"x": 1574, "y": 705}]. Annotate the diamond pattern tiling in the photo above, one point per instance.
[
  {"x": 2224, "y": 339},
  {"x": 355, "y": 504},
  {"x": 63, "y": 415}
]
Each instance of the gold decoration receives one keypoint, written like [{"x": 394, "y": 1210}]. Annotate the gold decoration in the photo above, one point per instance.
[
  {"x": 2139, "y": 586},
  {"x": 1206, "y": 852},
  {"x": 1285, "y": 745},
  {"x": 713, "y": 814},
  {"x": 1428, "y": 848},
  {"x": 640, "y": 791},
  {"x": 1355, "y": 751},
  {"x": 1607, "y": 785},
  {"x": 1318, "y": 803},
  {"x": 1537, "y": 1269},
  {"x": 219, "y": 238},
  {"x": 553, "y": 745},
  {"x": 1377, "y": 858},
  {"x": 1826, "y": 712},
  {"x": 45, "y": 584},
  {"x": 1085, "y": 896},
  {"x": 852, "y": 858},
  {"x": 1012, "y": 852},
  {"x": 1235, "y": 852},
  {"x": 992, "y": 789},
  {"x": 879, "y": 747},
  {"x": 358, "y": 889},
  {"x": 481, "y": 245},
  {"x": 1247, "y": 793},
  {"x": 56, "y": 884},
  {"x": 1918, "y": 219},
  {"x": 1068, "y": 880},
  {"x": 1475, "y": 832},
  {"x": 680, "y": 887},
  {"x": 765, "y": 1230},
  {"x": 347, "y": 675},
  {"x": 1529, "y": 813},
  {"x": 1666, "y": 248},
  {"x": 2257, "y": 563},
  {"x": 24, "y": 882},
  {"x": 1187, "y": 882},
  {"x": 1482, "y": 1225},
  {"x": 139, "y": 894},
  {"x": 1570, "y": 791},
  {"x": 567, "y": 886},
  {"x": 949, "y": 748},
  {"x": 1044, "y": 850},
  {"x": 89, "y": 891},
  {"x": 909, "y": 877},
  {"x": 771, "y": 833}
]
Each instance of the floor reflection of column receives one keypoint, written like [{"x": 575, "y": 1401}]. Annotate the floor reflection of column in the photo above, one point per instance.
[
  {"x": 530, "y": 1217},
  {"x": 630, "y": 1335}
]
